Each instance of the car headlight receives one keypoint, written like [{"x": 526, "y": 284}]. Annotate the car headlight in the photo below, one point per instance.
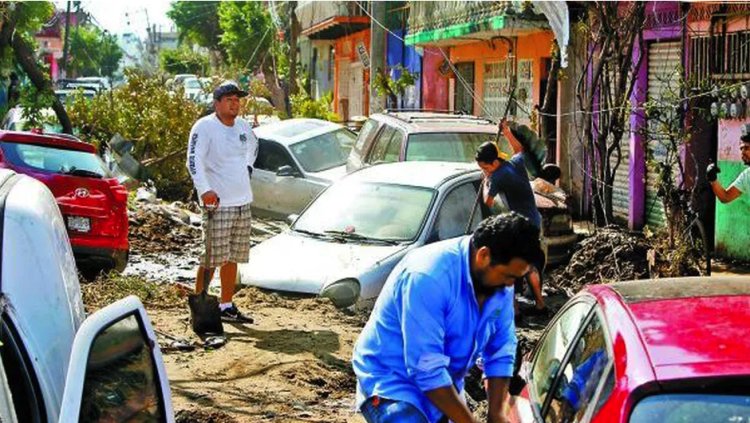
[{"x": 343, "y": 293}]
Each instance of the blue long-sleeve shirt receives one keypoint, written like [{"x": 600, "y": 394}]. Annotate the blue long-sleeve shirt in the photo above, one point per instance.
[{"x": 426, "y": 330}]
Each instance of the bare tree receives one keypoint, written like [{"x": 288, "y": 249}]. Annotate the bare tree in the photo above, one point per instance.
[{"x": 614, "y": 30}]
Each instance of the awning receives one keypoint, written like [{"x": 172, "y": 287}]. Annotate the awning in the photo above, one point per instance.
[{"x": 455, "y": 31}]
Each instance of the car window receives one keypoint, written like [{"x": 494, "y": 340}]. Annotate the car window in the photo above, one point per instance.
[
  {"x": 453, "y": 215},
  {"x": 49, "y": 159},
  {"x": 382, "y": 211},
  {"x": 271, "y": 156},
  {"x": 121, "y": 381},
  {"x": 381, "y": 145},
  {"x": 552, "y": 349},
  {"x": 692, "y": 407},
  {"x": 393, "y": 150},
  {"x": 367, "y": 131},
  {"x": 445, "y": 146},
  {"x": 325, "y": 151},
  {"x": 582, "y": 373}
]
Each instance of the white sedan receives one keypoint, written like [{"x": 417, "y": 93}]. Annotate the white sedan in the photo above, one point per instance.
[
  {"x": 344, "y": 245},
  {"x": 297, "y": 159}
]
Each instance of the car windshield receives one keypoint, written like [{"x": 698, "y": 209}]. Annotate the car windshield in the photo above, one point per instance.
[
  {"x": 38, "y": 157},
  {"x": 445, "y": 146},
  {"x": 674, "y": 408},
  {"x": 324, "y": 151},
  {"x": 192, "y": 83},
  {"x": 372, "y": 210}
]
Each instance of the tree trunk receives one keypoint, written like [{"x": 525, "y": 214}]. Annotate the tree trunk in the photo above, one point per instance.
[
  {"x": 25, "y": 57},
  {"x": 296, "y": 28},
  {"x": 278, "y": 98}
]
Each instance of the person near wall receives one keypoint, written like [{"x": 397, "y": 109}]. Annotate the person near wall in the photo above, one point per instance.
[{"x": 742, "y": 183}]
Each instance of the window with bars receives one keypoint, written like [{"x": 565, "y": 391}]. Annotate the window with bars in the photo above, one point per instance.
[
  {"x": 497, "y": 86},
  {"x": 720, "y": 56}
]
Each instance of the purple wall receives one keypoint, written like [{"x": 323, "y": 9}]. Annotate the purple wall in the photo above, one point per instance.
[{"x": 637, "y": 165}]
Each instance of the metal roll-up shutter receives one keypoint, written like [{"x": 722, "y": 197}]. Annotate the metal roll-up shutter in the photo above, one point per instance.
[
  {"x": 621, "y": 186},
  {"x": 663, "y": 77}
]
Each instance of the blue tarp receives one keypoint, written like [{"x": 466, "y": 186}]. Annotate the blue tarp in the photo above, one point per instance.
[{"x": 406, "y": 56}]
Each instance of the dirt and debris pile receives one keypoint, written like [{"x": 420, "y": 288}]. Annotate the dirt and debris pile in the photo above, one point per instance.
[
  {"x": 107, "y": 289},
  {"x": 162, "y": 228},
  {"x": 611, "y": 254}
]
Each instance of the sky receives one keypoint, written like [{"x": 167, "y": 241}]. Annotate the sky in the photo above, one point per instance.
[{"x": 114, "y": 15}]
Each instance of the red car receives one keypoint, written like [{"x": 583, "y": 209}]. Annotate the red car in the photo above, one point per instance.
[
  {"x": 93, "y": 203},
  {"x": 671, "y": 350}
]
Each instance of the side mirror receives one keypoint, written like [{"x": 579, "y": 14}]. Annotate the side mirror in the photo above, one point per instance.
[
  {"x": 292, "y": 218},
  {"x": 287, "y": 170},
  {"x": 115, "y": 367}
]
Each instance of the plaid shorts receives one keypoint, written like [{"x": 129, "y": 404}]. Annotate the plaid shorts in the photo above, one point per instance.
[{"x": 228, "y": 235}]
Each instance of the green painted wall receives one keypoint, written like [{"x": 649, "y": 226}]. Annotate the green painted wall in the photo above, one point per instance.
[{"x": 733, "y": 219}]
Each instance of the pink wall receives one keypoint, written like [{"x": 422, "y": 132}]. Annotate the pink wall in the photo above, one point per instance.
[
  {"x": 729, "y": 138},
  {"x": 434, "y": 84}
]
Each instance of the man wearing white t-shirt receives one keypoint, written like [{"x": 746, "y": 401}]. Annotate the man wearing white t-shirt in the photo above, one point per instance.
[
  {"x": 741, "y": 184},
  {"x": 221, "y": 154}
]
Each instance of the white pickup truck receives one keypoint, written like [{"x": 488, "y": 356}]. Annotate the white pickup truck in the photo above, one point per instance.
[{"x": 56, "y": 365}]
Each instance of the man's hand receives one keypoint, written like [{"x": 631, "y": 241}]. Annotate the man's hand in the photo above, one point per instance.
[
  {"x": 711, "y": 171},
  {"x": 504, "y": 128},
  {"x": 210, "y": 199}
]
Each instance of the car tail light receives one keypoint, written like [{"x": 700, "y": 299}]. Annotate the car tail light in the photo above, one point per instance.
[{"x": 119, "y": 192}]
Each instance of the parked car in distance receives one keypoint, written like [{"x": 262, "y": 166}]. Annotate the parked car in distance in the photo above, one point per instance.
[
  {"x": 92, "y": 201},
  {"x": 64, "y": 94},
  {"x": 193, "y": 89},
  {"x": 448, "y": 137},
  {"x": 297, "y": 158},
  {"x": 14, "y": 120},
  {"x": 56, "y": 365},
  {"x": 346, "y": 242},
  {"x": 100, "y": 80},
  {"x": 668, "y": 350}
]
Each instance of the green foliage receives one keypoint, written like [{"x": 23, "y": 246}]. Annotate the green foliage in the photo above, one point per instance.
[
  {"x": 197, "y": 22},
  {"x": 304, "y": 106},
  {"x": 33, "y": 103},
  {"x": 183, "y": 60},
  {"x": 155, "y": 119},
  {"x": 385, "y": 85},
  {"x": 247, "y": 32},
  {"x": 93, "y": 52}
]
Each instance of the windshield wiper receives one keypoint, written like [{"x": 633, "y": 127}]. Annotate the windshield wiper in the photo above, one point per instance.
[
  {"x": 359, "y": 237},
  {"x": 310, "y": 233},
  {"x": 81, "y": 172}
]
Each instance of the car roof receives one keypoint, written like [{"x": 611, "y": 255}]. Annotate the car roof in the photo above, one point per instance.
[
  {"x": 689, "y": 327},
  {"x": 431, "y": 122},
  {"x": 291, "y": 131},
  {"x": 419, "y": 174},
  {"x": 64, "y": 141}
]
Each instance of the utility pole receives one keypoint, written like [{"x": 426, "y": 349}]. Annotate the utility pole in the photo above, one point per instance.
[
  {"x": 377, "y": 52},
  {"x": 66, "y": 46}
]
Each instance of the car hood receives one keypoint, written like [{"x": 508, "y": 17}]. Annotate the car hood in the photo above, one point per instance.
[
  {"x": 332, "y": 175},
  {"x": 297, "y": 263}
]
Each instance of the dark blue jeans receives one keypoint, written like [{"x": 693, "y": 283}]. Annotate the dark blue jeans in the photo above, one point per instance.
[{"x": 390, "y": 411}]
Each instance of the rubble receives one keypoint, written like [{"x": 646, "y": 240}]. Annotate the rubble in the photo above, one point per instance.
[{"x": 611, "y": 254}]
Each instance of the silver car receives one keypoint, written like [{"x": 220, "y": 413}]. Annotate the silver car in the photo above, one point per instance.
[
  {"x": 347, "y": 241},
  {"x": 297, "y": 159}
]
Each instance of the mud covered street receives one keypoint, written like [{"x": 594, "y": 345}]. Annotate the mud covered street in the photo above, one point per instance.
[{"x": 293, "y": 364}]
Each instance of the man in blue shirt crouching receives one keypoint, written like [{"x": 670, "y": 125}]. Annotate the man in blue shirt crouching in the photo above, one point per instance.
[{"x": 443, "y": 307}]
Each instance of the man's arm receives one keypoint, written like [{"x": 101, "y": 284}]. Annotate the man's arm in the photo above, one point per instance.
[
  {"x": 497, "y": 393},
  {"x": 252, "y": 152},
  {"x": 512, "y": 140},
  {"x": 423, "y": 311},
  {"x": 499, "y": 356},
  {"x": 725, "y": 196},
  {"x": 198, "y": 146},
  {"x": 448, "y": 401}
]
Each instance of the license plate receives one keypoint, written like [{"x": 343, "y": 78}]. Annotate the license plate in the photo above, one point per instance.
[{"x": 79, "y": 224}]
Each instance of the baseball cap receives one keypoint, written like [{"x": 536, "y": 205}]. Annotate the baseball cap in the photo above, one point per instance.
[{"x": 228, "y": 87}]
